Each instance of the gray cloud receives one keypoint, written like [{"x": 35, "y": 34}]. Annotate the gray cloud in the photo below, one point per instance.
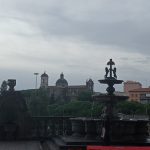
[
  {"x": 75, "y": 34},
  {"x": 118, "y": 23},
  {"x": 123, "y": 26}
]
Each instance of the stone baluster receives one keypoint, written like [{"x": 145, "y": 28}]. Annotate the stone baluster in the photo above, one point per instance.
[{"x": 78, "y": 127}]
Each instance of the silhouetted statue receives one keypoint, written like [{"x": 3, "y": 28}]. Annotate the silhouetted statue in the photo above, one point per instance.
[
  {"x": 3, "y": 87},
  {"x": 107, "y": 71},
  {"x": 15, "y": 121},
  {"x": 114, "y": 72},
  {"x": 11, "y": 83},
  {"x": 111, "y": 71}
]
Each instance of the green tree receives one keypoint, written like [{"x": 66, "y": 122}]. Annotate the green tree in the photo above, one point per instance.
[
  {"x": 76, "y": 109},
  {"x": 85, "y": 96},
  {"x": 148, "y": 110},
  {"x": 3, "y": 86},
  {"x": 37, "y": 101},
  {"x": 131, "y": 108}
]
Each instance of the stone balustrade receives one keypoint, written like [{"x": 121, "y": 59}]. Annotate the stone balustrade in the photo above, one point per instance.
[
  {"x": 48, "y": 126},
  {"x": 87, "y": 128}
]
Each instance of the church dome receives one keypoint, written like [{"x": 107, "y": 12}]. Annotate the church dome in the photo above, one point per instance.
[
  {"x": 44, "y": 75},
  {"x": 62, "y": 82}
]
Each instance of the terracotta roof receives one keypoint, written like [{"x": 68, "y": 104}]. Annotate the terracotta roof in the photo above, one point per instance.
[
  {"x": 141, "y": 90},
  {"x": 132, "y": 82}
]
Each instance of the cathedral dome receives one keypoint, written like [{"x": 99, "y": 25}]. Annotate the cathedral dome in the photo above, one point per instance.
[
  {"x": 62, "y": 82},
  {"x": 44, "y": 75}
]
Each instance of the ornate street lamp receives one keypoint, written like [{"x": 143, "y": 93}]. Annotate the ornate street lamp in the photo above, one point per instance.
[{"x": 36, "y": 74}]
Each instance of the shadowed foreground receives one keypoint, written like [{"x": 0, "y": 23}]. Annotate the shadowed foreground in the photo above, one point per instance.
[{"x": 29, "y": 145}]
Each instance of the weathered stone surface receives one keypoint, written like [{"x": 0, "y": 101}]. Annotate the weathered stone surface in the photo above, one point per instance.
[
  {"x": 29, "y": 145},
  {"x": 15, "y": 121}
]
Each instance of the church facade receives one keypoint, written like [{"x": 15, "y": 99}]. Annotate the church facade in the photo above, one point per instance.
[{"x": 62, "y": 91}]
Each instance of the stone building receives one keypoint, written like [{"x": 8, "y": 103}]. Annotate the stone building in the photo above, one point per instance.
[
  {"x": 44, "y": 80},
  {"x": 62, "y": 91},
  {"x": 131, "y": 85},
  {"x": 140, "y": 95}
]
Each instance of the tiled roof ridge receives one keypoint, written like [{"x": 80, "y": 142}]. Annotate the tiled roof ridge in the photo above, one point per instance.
[
  {"x": 140, "y": 89},
  {"x": 130, "y": 81}
]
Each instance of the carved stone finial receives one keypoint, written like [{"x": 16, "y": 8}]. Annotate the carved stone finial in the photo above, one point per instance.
[
  {"x": 110, "y": 77},
  {"x": 111, "y": 71},
  {"x": 11, "y": 83}
]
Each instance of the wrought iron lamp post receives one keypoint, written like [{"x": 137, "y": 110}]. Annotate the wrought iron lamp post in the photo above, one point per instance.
[{"x": 36, "y": 74}]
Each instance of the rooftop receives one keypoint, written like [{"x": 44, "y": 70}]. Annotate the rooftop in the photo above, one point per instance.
[
  {"x": 141, "y": 90},
  {"x": 71, "y": 86},
  {"x": 131, "y": 82}
]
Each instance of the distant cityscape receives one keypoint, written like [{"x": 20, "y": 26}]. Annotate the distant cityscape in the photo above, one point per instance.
[
  {"x": 64, "y": 116},
  {"x": 136, "y": 92},
  {"x": 61, "y": 90}
]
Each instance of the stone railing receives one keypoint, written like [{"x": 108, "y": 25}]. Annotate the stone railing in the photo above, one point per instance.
[
  {"x": 87, "y": 128},
  {"x": 120, "y": 130},
  {"x": 45, "y": 127},
  {"x": 48, "y": 126}
]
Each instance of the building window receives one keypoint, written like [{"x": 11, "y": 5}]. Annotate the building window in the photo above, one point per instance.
[{"x": 42, "y": 80}]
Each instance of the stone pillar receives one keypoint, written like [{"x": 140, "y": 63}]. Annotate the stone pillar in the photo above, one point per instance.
[
  {"x": 78, "y": 127},
  {"x": 90, "y": 129}
]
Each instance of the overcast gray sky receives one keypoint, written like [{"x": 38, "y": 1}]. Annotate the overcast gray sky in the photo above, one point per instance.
[{"x": 76, "y": 37}]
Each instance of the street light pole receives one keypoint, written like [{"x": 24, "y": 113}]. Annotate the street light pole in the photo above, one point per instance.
[{"x": 36, "y": 74}]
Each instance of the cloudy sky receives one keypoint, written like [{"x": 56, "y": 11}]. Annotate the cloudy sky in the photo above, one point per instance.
[{"x": 76, "y": 37}]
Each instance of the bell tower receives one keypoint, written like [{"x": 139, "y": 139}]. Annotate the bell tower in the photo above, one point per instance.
[
  {"x": 44, "y": 80},
  {"x": 90, "y": 85}
]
